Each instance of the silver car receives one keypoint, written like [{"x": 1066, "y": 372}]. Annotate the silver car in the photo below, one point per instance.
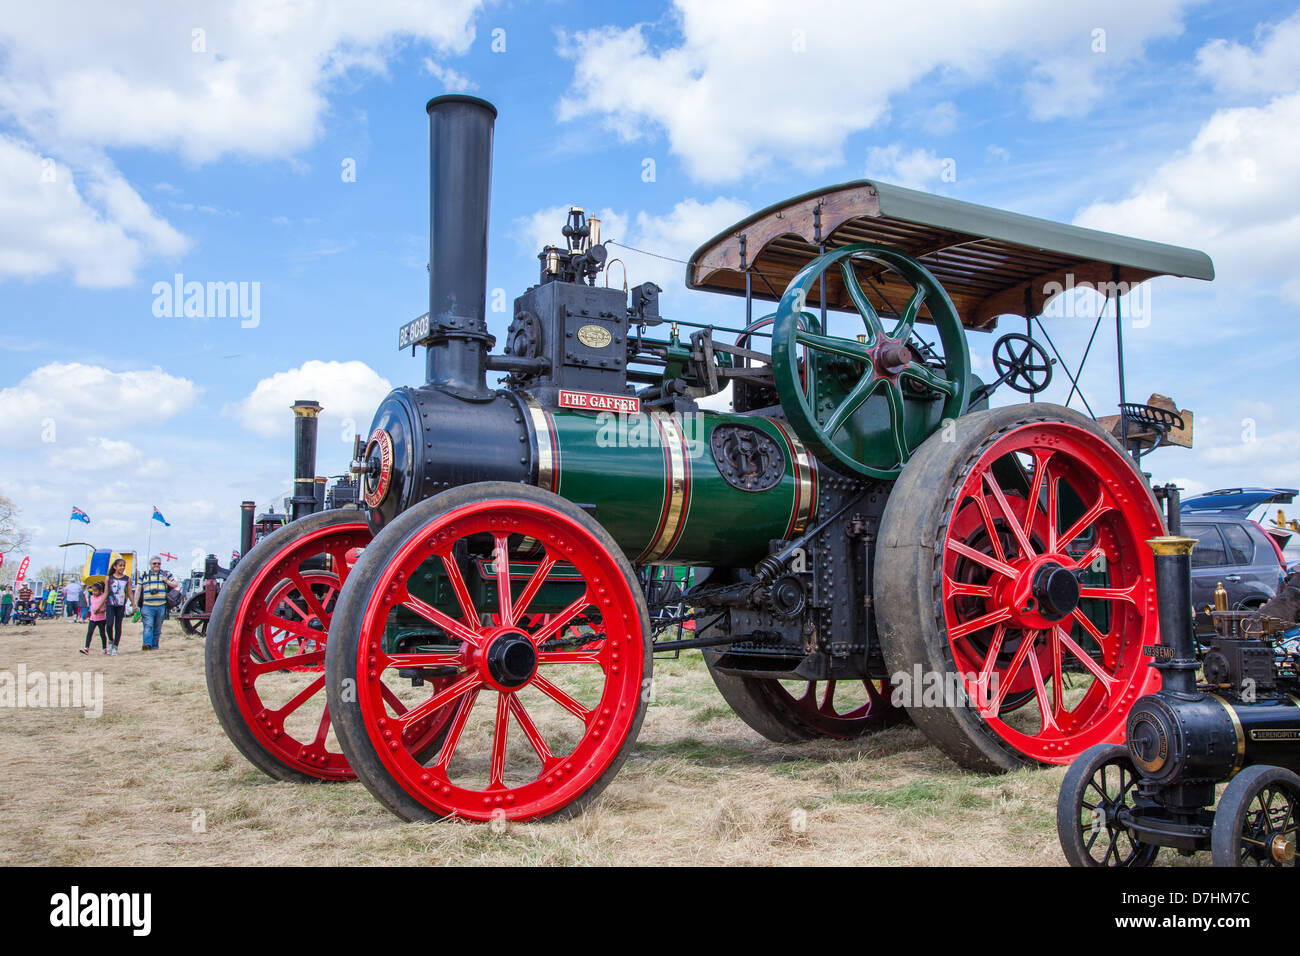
[{"x": 1232, "y": 550}]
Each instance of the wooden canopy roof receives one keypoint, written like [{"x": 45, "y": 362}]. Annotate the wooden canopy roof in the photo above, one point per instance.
[{"x": 991, "y": 262}]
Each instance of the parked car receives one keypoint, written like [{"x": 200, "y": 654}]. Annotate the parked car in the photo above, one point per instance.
[{"x": 1232, "y": 550}]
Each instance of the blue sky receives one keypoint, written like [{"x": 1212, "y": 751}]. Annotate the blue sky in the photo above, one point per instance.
[{"x": 133, "y": 148}]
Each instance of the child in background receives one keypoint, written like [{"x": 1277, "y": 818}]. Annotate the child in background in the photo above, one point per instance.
[{"x": 98, "y": 612}]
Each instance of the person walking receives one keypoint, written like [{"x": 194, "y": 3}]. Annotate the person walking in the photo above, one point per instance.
[
  {"x": 72, "y": 599},
  {"x": 98, "y": 611},
  {"x": 151, "y": 599},
  {"x": 6, "y": 603},
  {"x": 83, "y": 606},
  {"x": 118, "y": 589}
]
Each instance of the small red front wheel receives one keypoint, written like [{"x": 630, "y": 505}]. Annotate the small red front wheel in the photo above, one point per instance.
[{"x": 542, "y": 656}]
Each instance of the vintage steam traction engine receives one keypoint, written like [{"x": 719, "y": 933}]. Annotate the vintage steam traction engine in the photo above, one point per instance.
[
  {"x": 1121, "y": 802},
  {"x": 859, "y": 513}
]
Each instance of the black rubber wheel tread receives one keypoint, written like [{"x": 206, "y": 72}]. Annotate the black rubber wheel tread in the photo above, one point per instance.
[
  {"x": 345, "y": 633},
  {"x": 751, "y": 698},
  {"x": 216, "y": 652},
  {"x": 909, "y": 612},
  {"x": 1230, "y": 815},
  {"x": 1069, "y": 803}
]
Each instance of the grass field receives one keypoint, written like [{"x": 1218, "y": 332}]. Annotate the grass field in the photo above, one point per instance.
[{"x": 154, "y": 781}]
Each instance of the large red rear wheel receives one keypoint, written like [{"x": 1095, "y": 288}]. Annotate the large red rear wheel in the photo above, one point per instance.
[
  {"x": 545, "y": 706},
  {"x": 263, "y": 659},
  {"x": 1014, "y": 574},
  {"x": 795, "y": 711}
]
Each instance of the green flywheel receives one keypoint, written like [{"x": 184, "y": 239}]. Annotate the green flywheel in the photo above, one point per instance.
[{"x": 864, "y": 404}]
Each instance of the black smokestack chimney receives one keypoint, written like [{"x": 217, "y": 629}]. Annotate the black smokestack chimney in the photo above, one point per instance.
[
  {"x": 246, "y": 510},
  {"x": 460, "y": 179},
  {"x": 304, "y": 459},
  {"x": 1173, "y": 556}
]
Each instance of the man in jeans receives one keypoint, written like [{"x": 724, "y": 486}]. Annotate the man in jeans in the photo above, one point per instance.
[{"x": 151, "y": 599}]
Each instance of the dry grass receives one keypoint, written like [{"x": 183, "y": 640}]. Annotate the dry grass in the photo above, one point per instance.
[{"x": 700, "y": 787}]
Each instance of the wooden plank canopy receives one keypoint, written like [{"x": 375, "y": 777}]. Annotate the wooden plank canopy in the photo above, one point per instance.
[{"x": 990, "y": 261}]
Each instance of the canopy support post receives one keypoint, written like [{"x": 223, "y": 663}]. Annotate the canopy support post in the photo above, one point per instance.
[
  {"x": 1119, "y": 352},
  {"x": 1029, "y": 320}
]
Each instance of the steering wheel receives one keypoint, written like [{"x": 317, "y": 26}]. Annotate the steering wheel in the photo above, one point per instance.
[
  {"x": 1019, "y": 361},
  {"x": 862, "y": 405}
]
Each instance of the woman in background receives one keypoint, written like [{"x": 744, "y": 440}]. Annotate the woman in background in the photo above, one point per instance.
[{"x": 118, "y": 588}]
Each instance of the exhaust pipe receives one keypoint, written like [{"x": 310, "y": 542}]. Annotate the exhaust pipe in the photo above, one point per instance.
[
  {"x": 460, "y": 180},
  {"x": 246, "y": 517},
  {"x": 305, "y": 415}
]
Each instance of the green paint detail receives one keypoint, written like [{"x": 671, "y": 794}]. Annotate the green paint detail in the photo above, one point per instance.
[
  {"x": 618, "y": 465},
  {"x": 851, "y": 416}
]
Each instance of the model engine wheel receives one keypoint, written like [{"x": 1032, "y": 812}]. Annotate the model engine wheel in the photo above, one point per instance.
[
  {"x": 1097, "y": 788},
  {"x": 790, "y": 712},
  {"x": 1255, "y": 823},
  {"x": 1013, "y": 568},
  {"x": 545, "y": 701},
  {"x": 269, "y": 697}
]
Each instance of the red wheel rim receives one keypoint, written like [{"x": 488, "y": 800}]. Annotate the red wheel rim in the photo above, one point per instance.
[
  {"x": 510, "y": 765},
  {"x": 1009, "y": 630},
  {"x": 282, "y": 698},
  {"x": 824, "y": 706}
]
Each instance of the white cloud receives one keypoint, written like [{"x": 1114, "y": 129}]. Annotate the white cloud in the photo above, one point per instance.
[
  {"x": 938, "y": 120},
  {"x": 95, "y": 454},
  {"x": 244, "y": 78},
  {"x": 1231, "y": 192},
  {"x": 735, "y": 94},
  {"x": 452, "y": 81},
  {"x": 349, "y": 393},
  {"x": 916, "y": 168},
  {"x": 47, "y": 224},
  {"x": 72, "y": 398},
  {"x": 1270, "y": 68}
]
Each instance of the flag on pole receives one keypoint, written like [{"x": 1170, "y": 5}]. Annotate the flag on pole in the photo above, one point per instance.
[
  {"x": 167, "y": 556},
  {"x": 157, "y": 516},
  {"x": 22, "y": 570},
  {"x": 234, "y": 555},
  {"x": 79, "y": 515}
]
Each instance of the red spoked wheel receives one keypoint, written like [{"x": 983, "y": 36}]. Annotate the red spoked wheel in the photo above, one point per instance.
[
  {"x": 843, "y": 709},
  {"x": 286, "y": 601},
  {"x": 268, "y": 695},
  {"x": 549, "y": 669},
  {"x": 796, "y": 711},
  {"x": 1016, "y": 574}
]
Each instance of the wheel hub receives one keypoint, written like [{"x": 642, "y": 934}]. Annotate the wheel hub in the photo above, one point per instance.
[
  {"x": 1282, "y": 849},
  {"x": 511, "y": 659},
  {"x": 1044, "y": 593},
  {"x": 1056, "y": 590}
]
